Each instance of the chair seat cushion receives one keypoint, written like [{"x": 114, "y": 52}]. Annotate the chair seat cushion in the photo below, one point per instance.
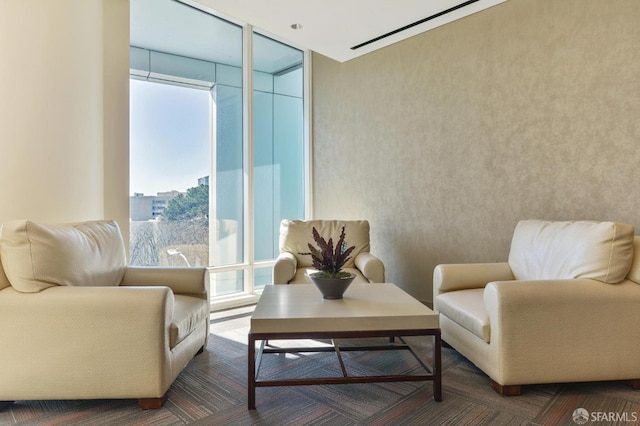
[
  {"x": 466, "y": 308},
  {"x": 188, "y": 313}
]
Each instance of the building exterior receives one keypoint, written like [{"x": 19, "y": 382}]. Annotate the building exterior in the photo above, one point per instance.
[{"x": 149, "y": 207}]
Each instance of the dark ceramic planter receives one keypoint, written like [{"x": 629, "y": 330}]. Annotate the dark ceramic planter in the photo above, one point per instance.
[{"x": 332, "y": 288}]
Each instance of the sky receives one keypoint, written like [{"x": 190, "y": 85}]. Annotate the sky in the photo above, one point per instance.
[{"x": 169, "y": 137}]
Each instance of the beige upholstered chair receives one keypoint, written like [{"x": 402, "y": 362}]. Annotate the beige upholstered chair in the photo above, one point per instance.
[
  {"x": 291, "y": 267},
  {"x": 77, "y": 323},
  {"x": 564, "y": 308}
]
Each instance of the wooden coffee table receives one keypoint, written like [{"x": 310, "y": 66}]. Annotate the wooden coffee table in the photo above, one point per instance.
[{"x": 298, "y": 311}]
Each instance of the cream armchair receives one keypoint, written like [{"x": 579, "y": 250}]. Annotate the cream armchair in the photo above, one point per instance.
[
  {"x": 292, "y": 268},
  {"x": 77, "y": 323},
  {"x": 564, "y": 308}
]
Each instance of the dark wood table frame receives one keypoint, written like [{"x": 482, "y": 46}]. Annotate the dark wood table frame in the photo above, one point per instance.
[{"x": 434, "y": 372}]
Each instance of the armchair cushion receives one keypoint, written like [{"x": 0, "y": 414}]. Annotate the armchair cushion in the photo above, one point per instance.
[
  {"x": 188, "y": 314},
  {"x": 295, "y": 235},
  {"x": 564, "y": 250},
  {"x": 37, "y": 256},
  {"x": 465, "y": 307}
]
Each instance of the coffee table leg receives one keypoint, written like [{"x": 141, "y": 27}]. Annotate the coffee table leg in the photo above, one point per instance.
[
  {"x": 437, "y": 361},
  {"x": 251, "y": 374}
]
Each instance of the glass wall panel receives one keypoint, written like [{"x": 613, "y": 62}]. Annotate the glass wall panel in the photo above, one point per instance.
[
  {"x": 227, "y": 283},
  {"x": 262, "y": 277},
  {"x": 278, "y": 136},
  {"x": 229, "y": 75},
  {"x": 263, "y": 175},
  {"x": 289, "y": 82},
  {"x": 262, "y": 82},
  {"x": 228, "y": 206},
  {"x": 288, "y": 153}
]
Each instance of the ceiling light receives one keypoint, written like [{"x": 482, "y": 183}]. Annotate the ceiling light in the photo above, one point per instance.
[{"x": 296, "y": 26}]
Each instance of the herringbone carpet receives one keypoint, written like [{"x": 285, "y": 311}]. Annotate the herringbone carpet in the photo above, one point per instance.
[{"x": 212, "y": 391}]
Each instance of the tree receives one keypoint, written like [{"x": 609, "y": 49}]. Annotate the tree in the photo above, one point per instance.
[
  {"x": 193, "y": 205},
  {"x": 184, "y": 225}
]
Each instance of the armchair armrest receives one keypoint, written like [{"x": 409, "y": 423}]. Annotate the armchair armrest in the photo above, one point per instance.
[
  {"x": 371, "y": 267},
  {"x": 78, "y": 329},
  {"x": 188, "y": 281},
  {"x": 450, "y": 277},
  {"x": 538, "y": 324},
  {"x": 284, "y": 268}
]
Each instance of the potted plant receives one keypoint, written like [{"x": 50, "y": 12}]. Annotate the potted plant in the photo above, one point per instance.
[{"x": 330, "y": 279}]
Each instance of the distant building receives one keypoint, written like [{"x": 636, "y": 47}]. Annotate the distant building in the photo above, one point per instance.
[
  {"x": 203, "y": 181},
  {"x": 149, "y": 207}
]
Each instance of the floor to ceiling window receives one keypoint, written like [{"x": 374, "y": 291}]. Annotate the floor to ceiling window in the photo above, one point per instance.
[{"x": 213, "y": 168}]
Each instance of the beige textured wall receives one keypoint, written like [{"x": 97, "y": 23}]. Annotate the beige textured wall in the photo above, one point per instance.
[
  {"x": 64, "y": 110},
  {"x": 116, "y": 112},
  {"x": 530, "y": 109}
]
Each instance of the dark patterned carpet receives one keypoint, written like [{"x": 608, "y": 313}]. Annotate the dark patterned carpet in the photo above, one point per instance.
[{"x": 212, "y": 391}]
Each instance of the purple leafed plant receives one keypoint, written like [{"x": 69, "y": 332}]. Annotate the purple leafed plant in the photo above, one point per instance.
[{"x": 328, "y": 259}]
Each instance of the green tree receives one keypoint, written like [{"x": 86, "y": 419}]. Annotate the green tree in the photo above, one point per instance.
[{"x": 192, "y": 205}]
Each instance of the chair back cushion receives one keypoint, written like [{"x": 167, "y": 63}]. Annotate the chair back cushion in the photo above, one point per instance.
[
  {"x": 295, "y": 235},
  {"x": 37, "y": 256},
  {"x": 564, "y": 250}
]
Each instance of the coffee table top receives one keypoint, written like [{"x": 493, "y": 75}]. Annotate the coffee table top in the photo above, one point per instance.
[{"x": 296, "y": 308}]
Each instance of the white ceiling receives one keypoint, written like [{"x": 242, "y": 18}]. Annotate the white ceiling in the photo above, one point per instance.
[{"x": 333, "y": 27}]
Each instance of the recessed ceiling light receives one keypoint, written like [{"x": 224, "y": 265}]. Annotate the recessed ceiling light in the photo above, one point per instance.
[{"x": 296, "y": 26}]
